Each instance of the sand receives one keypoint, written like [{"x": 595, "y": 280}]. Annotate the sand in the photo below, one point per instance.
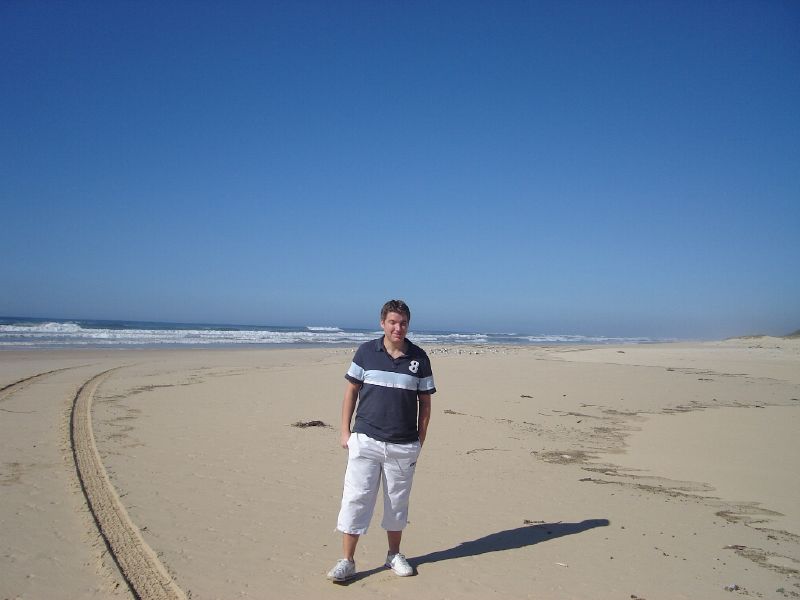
[{"x": 654, "y": 471}]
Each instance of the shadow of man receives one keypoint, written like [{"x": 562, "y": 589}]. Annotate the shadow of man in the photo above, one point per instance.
[{"x": 509, "y": 539}]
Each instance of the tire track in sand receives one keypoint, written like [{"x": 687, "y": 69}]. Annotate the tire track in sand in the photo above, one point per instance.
[
  {"x": 144, "y": 573},
  {"x": 12, "y": 388}
]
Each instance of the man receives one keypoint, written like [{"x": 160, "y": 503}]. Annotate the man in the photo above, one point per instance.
[{"x": 392, "y": 381}]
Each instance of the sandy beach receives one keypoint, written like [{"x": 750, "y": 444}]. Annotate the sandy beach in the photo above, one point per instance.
[{"x": 647, "y": 472}]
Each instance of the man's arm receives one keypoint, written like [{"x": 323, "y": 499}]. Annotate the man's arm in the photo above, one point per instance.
[
  {"x": 424, "y": 416},
  {"x": 348, "y": 408}
]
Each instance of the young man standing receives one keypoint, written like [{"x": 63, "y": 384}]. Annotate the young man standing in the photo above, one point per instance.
[{"x": 392, "y": 382}]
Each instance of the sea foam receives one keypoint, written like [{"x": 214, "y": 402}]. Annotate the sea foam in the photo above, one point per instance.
[{"x": 75, "y": 333}]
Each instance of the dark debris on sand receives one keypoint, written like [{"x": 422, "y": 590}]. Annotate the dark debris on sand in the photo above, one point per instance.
[{"x": 304, "y": 424}]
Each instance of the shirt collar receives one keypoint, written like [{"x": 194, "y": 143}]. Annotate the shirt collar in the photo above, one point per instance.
[{"x": 379, "y": 347}]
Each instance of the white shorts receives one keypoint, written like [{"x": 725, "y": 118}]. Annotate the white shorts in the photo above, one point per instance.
[{"x": 369, "y": 463}]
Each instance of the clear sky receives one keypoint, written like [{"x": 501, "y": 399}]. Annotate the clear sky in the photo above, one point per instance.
[{"x": 610, "y": 168}]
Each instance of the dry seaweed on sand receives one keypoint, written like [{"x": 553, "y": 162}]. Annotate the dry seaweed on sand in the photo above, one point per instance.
[{"x": 304, "y": 424}]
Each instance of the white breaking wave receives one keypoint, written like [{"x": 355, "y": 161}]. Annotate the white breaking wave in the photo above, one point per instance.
[
  {"x": 45, "y": 328},
  {"x": 582, "y": 339},
  {"x": 448, "y": 338},
  {"x": 59, "y": 334},
  {"x": 70, "y": 334}
]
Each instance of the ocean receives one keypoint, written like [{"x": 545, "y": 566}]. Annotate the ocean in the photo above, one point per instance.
[{"x": 36, "y": 333}]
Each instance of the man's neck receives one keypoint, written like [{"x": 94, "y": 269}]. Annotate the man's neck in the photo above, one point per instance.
[{"x": 394, "y": 350}]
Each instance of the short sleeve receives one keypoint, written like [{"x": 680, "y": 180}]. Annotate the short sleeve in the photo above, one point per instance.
[
  {"x": 426, "y": 384},
  {"x": 355, "y": 374}
]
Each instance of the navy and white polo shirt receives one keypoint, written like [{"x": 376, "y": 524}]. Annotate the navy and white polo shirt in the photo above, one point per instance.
[{"x": 387, "y": 401}]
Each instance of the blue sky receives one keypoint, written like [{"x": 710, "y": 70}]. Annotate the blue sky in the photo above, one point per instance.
[{"x": 610, "y": 168}]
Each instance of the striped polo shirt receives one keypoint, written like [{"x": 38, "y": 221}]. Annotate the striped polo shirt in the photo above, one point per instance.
[{"x": 387, "y": 401}]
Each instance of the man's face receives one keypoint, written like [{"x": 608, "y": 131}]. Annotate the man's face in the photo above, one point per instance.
[{"x": 395, "y": 326}]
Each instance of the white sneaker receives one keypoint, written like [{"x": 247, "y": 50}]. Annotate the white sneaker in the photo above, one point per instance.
[
  {"x": 399, "y": 564},
  {"x": 343, "y": 570}
]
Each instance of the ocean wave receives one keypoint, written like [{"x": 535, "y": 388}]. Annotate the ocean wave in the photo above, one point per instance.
[
  {"x": 585, "y": 339},
  {"x": 59, "y": 334},
  {"x": 449, "y": 338},
  {"x": 45, "y": 328},
  {"x": 51, "y": 333}
]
